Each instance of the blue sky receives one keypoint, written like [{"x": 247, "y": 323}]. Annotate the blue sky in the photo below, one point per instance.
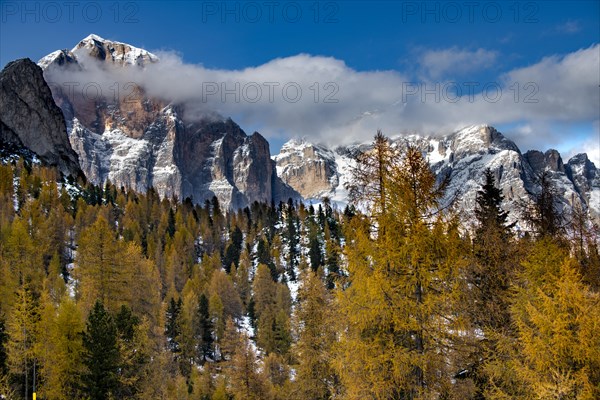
[{"x": 414, "y": 42}]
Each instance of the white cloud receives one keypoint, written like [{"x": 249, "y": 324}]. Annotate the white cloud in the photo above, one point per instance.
[
  {"x": 590, "y": 145},
  {"x": 455, "y": 61},
  {"x": 561, "y": 89}
]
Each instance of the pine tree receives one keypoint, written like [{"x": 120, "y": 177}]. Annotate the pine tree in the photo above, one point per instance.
[
  {"x": 204, "y": 333},
  {"x": 22, "y": 330},
  {"x": 313, "y": 325},
  {"x": 61, "y": 355},
  {"x": 172, "y": 328},
  {"x": 557, "y": 351},
  {"x": 100, "y": 355},
  {"x": 400, "y": 316},
  {"x": 489, "y": 275},
  {"x": 102, "y": 269}
]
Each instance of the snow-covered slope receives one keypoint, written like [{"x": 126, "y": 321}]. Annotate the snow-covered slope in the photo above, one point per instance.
[
  {"x": 463, "y": 155},
  {"x": 98, "y": 48}
]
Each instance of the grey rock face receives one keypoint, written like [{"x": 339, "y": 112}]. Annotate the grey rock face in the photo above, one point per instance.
[
  {"x": 463, "y": 156},
  {"x": 30, "y": 118},
  {"x": 149, "y": 142},
  {"x": 217, "y": 158},
  {"x": 586, "y": 179},
  {"x": 550, "y": 160},
  {"x": 309, "y": 169}
]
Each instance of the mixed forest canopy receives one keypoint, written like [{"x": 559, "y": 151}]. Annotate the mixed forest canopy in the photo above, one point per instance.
[{"x": 106, "y": 293}]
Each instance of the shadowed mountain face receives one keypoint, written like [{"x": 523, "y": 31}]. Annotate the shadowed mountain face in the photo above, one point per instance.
[
  {"x": 137, "y": 141},
  {"x": 30, "y": 119}
]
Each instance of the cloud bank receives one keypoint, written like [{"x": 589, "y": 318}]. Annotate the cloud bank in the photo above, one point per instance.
[{"x": 323, "y": 99}]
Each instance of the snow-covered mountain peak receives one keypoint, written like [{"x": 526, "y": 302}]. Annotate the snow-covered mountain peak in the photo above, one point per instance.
[
  {"x": 463, "y": 156},
  {"x": 45, "y": 61},
  {"x": 117, "y": 52},
  {"x": 139, "y": 141},
  {"x": 309, "y": 168},
  {"x": 581, "y": 162},
  {"x": 98, "y": 48},
  {"x": 93, "y": 37},
  {"x": 480, "y": 139},
  {"x": 301, "y": 148},
  {"x": 57, "y": 58}
]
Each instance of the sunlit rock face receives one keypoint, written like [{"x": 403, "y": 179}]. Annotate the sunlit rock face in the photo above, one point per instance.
[{"x": 316, "y": 171}]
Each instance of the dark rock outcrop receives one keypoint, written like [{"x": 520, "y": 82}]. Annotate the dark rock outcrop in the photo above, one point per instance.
[
  {"x": 30, "y": 118},
  {"x": 550, "y": 160}
]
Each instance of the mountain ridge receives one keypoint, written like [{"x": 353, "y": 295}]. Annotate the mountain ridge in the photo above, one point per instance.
[
  {"x": 150, "y": 142},
  {"x": 461, "y": 155},
  {"x": 139, "y": 141}
]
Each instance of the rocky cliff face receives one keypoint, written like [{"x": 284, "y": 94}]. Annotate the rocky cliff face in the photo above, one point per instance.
[
  {"x": 310, "y": 169},
  {"x": 140, "y": 142},
  {"x": 30, "y": 119},
  {"x": 137, "y": 141},
  {"x": 463, "y": 156}
]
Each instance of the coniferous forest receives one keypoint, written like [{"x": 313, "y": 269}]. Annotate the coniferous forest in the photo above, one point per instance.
[{"x": 106, "y": 293}]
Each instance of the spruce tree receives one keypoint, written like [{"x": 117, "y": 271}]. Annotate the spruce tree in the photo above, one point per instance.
[
  {"x": 292, "y": 239},
  {"x": 101, "y": 354},
  {"x": 544, "y": 215},
  {"x": 172, "y": 329},
  {"x": 126, "y": 323},
  {"x": 204, "y": 333},
  {"x": 488, "y": 211},
  {"x": 489, "y": 274},
  {"x": 233, "y": 250},
  {"x": 314, "y": 251}
]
